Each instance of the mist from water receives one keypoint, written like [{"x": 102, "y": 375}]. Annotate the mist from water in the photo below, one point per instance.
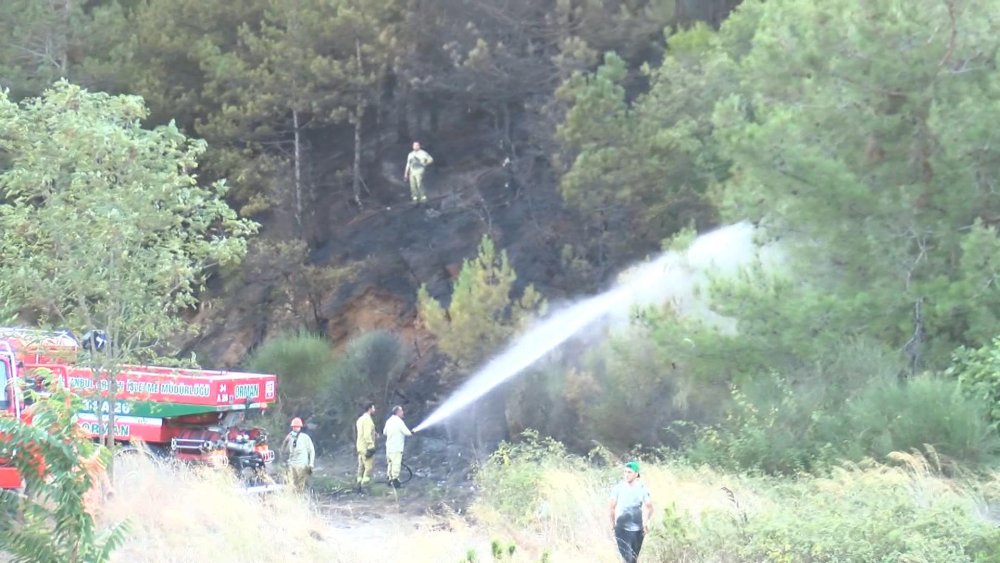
[{"x": 673, "y": 276}]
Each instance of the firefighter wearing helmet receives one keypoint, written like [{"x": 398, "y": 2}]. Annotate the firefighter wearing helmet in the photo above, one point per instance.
[{"x": 300, "y": 453}]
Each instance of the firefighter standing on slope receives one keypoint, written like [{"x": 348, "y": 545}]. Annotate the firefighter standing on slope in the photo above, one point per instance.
[
  {"x": 416, "y": 162},
  {"x": 298, "y": 446},
  {"x": 365, "y": 427}
]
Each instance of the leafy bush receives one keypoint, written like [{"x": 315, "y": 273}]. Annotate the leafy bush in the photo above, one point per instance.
[
  {"x": 49, "y": 453},
  {"x": 370, "y": 365},
  {"x": 903, "y": 416},
  {"x": 302, "y": 363},
  {"x": 512, "y": 478},
  {"x": 873, "y": 514},
  {"x": 978, "y": 372},
  {"x": 327, "y": 388},
  {"x": 482, "y": 313},
  {"x": 775, "y": 428}
]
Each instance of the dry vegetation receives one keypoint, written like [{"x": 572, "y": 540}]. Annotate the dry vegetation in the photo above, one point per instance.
[
  {"x": 552, "y": 508},
  {"x": 548, "y": 501},
  {"x": 177, "y": 514}
]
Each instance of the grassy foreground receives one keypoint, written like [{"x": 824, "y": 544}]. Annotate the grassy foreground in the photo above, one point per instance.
[
  {"x": 180, "y": 514},
  {"x": 554, "y": 503},
  {"x": 537, "y": 503}
]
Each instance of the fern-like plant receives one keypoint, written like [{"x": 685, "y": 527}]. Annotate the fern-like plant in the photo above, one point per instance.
[{"x": 50, "y": 523}]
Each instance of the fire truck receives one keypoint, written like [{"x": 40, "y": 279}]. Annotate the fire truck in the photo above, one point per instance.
[{"x": 191, "y": 414}]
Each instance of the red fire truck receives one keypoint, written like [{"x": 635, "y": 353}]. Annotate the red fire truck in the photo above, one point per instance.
[{"x": 190, "y": 414}]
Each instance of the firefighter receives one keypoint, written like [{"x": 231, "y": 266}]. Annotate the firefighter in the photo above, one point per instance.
[
  {"x": 365, "y": 445},
  {"x": 298, "y": 446},
  {"x": 416, "y": 162},
  {"x": 395, "y": 437}
]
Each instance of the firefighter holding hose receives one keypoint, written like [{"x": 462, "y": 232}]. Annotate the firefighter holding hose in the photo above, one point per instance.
[
  {"x": 301, "y": 454},
  {"x": 395, "y": 433}
]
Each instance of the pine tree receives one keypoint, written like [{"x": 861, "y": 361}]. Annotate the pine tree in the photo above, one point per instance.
[
  {"x": 873, "y": 170},
  {"x": 482, "y": 313},
  {"x": 642, "y": 170}
]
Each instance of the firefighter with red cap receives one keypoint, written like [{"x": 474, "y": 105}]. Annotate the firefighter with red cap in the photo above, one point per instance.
[{"x": 300, "y": 453}]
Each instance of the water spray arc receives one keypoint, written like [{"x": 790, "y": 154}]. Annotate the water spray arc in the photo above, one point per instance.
[
  {"x": 664, "y": 277},
  {"x": 526, "y": 351}
]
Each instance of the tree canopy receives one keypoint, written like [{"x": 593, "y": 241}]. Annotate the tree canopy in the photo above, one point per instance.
[
  {"x": 102, "y": 221},
  {"x": 856, "y": 136}
]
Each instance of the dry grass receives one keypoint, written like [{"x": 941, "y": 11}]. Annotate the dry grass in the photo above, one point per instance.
[
  {"x": 179, "y": 514},
  {"x": 182, "y": 514},
  {"x": 706, "y": 516},
  {"x": 572, "y": 523}
]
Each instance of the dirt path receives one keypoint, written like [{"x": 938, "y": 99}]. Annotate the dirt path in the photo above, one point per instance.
[
  {"x": 441, "y": 488},
  {"x": 426, "y": 519}
]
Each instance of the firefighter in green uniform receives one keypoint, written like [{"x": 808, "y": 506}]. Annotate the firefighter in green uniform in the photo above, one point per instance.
[
  {"x": 416, "y": 162},
  {"x": 365, "y": 427}
]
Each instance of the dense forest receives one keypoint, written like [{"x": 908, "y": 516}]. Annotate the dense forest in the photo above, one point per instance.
[
  {"x": 571, "y": 138},
  {"x": 220, "y": 182}
]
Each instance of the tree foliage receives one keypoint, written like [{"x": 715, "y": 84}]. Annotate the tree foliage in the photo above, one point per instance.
[
  {"x": 369, "y": 368},
  {"x": 53, "y": 525},
  {"x": 872, "y": 173},
  {"x": 482, "y": 313},
  {"x": 41, "y": 41},
  {"x": 302, "y": 361},
  {"x": 325, "y": 387},
  {"x": 103, "y": 223},
  {"x": 303, "y": 67},
  {"x": 866, "y": 169},
  {"x": 642, "y": 169},
  {"x": 870, "y": 170},
  {"x": 977, "y": 371}
]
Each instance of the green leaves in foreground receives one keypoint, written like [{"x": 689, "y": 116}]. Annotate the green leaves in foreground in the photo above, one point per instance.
[{"x": 51, "y": 523}]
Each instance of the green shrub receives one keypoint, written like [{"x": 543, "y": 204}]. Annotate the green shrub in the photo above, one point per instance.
[
  {"x": 775, "y": 428},
  {"x": 482, "y": 313},
  {"x": 511, "y": 479},
  {"x": 978, "y": 373},
  {"x": 370, "y": 366},
  {"x": 770, "y": 428},
  {"x": 878, "y": 514},
  {"x": 903, "y": 416},
  {"x": 54, "y": 526},
  {"x": 302, "y": 363},
  {"x": 325, "y": 388}
]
